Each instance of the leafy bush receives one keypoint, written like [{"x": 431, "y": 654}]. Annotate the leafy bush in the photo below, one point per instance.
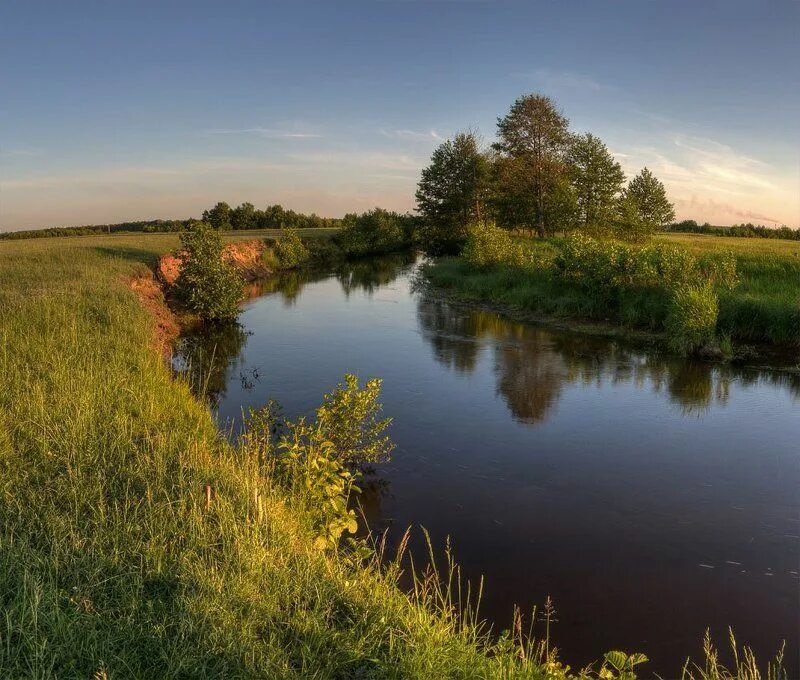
[
  {"x": 349, "y": 417},
  {"x": 613, "y": 265},
  {"x": 375, "y": 232},
  {"x": 319, "y": 462},
  {"x": 207, "y": 285},
  {"x": 488, "y": 245},
  {"x": 692, "y": 320},
  {"x": 290, "y": 250}
]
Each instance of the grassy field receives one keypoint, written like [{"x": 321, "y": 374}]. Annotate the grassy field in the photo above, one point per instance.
[
  {"x": 763, "y": 309},
  {"x": 135, "y": 542}
]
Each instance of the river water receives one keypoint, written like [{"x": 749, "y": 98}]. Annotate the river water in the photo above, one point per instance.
[{"x": 650, "y": 497}]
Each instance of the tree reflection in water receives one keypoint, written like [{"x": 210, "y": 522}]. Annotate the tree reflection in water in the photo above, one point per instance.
[{"x": 533, "y": 365}]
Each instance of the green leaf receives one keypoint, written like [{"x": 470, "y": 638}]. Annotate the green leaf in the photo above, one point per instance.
[{"x": 617, "y": 659}]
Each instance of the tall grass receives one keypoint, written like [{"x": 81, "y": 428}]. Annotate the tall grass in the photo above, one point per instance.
[
  {"x": 763, "y": 307},
  {"x": 135, "y": 542}
]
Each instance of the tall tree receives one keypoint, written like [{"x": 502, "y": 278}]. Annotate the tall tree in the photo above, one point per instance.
[
  {"x": 531, "y": 166},
  {"x": 650, "y": 197},
  {"x": 450, "y": 193},
  {"x": 243, "y": 217},
  {"x": 219, "y": 216},
  {"x": 597, "y": 179}
]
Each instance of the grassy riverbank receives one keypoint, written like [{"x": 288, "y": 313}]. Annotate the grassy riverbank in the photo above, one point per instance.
[
  {"x": 763, "y": 308},
  {"x": 134, "y": 542}
]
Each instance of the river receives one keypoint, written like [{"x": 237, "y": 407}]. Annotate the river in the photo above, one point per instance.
[{"x": 650, "y": 497}]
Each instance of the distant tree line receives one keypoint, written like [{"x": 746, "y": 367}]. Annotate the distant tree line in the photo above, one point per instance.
[
  {"x": 748, "y": 230},
  {"x": 222, "y": 216},
  {"x": 538, "y": 176},
  {"x": 90, "y": 229}
]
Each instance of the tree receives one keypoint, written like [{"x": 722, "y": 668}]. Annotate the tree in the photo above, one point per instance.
[
  {"x": 650, "y": 197},
  {"x": 219, "y": 216},
  {"x": 597, "y": 179},
  {"x": 450, "y": 193},
  {"x": 243, "y": 217},
  {"x": 628, "y": 222},
  {"x": 531, "y": 165}
]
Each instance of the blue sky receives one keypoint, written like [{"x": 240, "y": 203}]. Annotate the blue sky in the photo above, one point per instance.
[{"x": 133, "y": 110}]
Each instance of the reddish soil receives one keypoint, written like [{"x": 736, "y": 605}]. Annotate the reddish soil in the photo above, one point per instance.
[
  {"x": 244, "y": 255},
  {"x": 150, "y": 295}
]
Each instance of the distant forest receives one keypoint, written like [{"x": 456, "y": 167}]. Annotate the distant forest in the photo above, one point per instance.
[
  {"x": 221, "y": 216},
  {"x": 748, "y": 230},
  {"x": 246, "y": 216}
]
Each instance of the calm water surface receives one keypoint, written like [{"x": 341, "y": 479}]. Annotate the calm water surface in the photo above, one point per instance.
[{"x": 651, "y": 498}]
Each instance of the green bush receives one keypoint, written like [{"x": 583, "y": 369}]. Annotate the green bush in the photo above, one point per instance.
[
  {"x": 291, "y": 250},
  {"x": 318, "y": 463},
  {"x": 207, "y": 285},
  {"x": 613, "y": 265},
  {"x": 376, "y": 232},
  {"x": 488, "y": 245},
  {"x": 692, "y": 319}
]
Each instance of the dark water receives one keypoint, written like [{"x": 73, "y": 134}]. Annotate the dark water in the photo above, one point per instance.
[{"x": 651, "y": 498}]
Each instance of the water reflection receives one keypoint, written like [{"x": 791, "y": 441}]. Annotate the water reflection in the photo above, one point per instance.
[
  {"x": 204, "y": 360},
  {"x": 532, "y": 365}
]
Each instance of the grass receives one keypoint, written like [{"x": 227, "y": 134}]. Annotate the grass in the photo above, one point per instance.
[
  {"x": 763, "y": 309},
  {"x": 135, "y": 542}
]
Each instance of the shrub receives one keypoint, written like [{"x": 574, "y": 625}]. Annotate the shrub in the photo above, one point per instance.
[
  {"x": 375, "y": 232},
  {"x": 291, "y": 250},
  {"x": 319, "y": 462},
  {"x": 349, "y": 417},
  {"x": 207, "y": 285},
  {"x": 692, "y": 319},
  {"x": 488, "y": 245}
]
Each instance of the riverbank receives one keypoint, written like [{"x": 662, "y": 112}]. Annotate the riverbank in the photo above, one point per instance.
[
  {"x": 136, "y": 542},
  {"x": 131, "y": 544},
  {"x": 759, "y": 318}
]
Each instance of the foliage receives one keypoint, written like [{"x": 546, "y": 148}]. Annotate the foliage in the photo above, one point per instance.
[
  {"x": 290, "y": 250},
  {"x": 597, "y": 179},
  {"x": 748, "y": 230},
  {"x": 650, "y": 198},
  {"x": 375, "y": 232},
  {"x": 218, "y": 217},
  {"x": 489, "y": 245},
  {"x": 349, "y": 418},
  {"x": 628, "y": 223},
  {"x": 620, "y": 666},
  {"x": 207, "y": 285},
  {"x": 450, "y": 193},
  {"x": 306, "y": 464},
  {"x": 243, "y": 216},
  {"x": 692, "y": 320},
  {"x": 532, "y": 143}
]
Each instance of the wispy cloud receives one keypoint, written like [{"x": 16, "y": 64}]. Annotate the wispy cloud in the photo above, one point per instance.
[
  {"x": 23, "y": 152},
  {"x": 562, "y": 80},
  {"x": 711, "y": 180},
  {"x": 270, "y": 133},
  {"x": 413, "y": 135}
]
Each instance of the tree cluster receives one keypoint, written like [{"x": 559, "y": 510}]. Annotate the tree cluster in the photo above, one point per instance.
[
  {"x": 537, "y": 176},
  {"x": 246, "y": 216}
]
